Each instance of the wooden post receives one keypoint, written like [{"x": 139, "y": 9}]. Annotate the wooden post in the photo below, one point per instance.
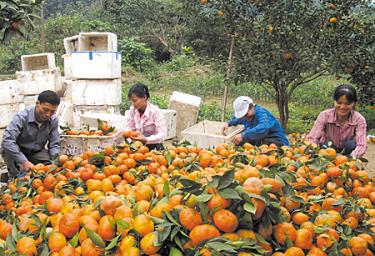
[
  {"x": 42, "y": 28},
  {"x": 227, "y": 76}
]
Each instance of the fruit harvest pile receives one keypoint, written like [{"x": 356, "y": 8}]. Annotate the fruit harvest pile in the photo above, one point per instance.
[{"x": 248, "y": 200}]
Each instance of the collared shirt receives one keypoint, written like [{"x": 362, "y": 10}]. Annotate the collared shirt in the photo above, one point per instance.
[
  {"x": 327, "y": 128},
  {"x": 24, "y": 136},
  {"x": 151, "y": 124},
  {"x": 263, "y": 125}
]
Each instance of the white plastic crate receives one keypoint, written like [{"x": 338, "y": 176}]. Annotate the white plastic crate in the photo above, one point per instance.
[
  {"x": 91, "y": 120},
  {"x": 93, "y": 92},
  {"x": 10, "y": 92},
  {"x": 7, "y": 112},
  {"x": 92, "y": 65},
  {"x": 39, "y": 61},
  {"x": 207, "y": 134},
  {"x": 187, "y": 108},
  {"x": 170, "y": 117},
  {"x": 78, "y": 111},
  {"x": 34, "y": 82},
  {"x": 97, "y": 41},
  {"x": 65, "y": 114},
  {"x": 76, "y": 145},
  {"x": 71, "y": 44}
]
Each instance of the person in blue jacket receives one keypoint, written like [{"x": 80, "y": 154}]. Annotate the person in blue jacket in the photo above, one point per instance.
[{"x": 261, "y": 127}]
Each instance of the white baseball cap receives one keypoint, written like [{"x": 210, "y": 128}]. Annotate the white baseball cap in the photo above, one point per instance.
[{"x": 241, "y": 106}]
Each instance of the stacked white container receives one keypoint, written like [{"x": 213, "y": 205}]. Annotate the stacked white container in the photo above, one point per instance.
[
  {"x": 92, "y": 68},
  {"x": 39, "y": 73}
]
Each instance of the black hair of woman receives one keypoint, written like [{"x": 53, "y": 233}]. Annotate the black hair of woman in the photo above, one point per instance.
[
  {"x": 346, "y": 90},
  {"x": 140, "y": 90}
]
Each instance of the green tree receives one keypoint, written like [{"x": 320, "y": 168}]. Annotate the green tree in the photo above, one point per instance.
[
  {"x": 135, "y": 54},
  {"x": 285, "y": 44},
  {"x": 14, "y": 14}
]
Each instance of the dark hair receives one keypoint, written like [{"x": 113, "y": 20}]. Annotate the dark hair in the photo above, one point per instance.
[
  {"x": 49, "y": 97},
  {"x": 346, "y": 90},
  {"x": 140, "y": 90}
]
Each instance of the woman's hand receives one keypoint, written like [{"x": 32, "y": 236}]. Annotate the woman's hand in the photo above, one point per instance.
[{"x": 139, "y": 137}]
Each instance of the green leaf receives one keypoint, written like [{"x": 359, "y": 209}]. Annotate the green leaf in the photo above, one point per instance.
[
  {"x": 74, "y": 241},
  {"x": 226, "y": 180},
  {"x": 175, "y": 252},
  {"x": 220, "y": 246},
  {"x": 249, "y": 207},
  {"x": 95, "y": 238},
  {"x": 14, "y": 232},
  {"x": 166, "y": 189},
  {"x": 169, "y": 158},
  {"x": 10, "y": 243},
  {"x": 45, "y": 251},
  {"x": 230, "y": 193},
  {"x": 122, "y": 224},
  {"x": 297, "y": 199},
  {"x": 113, "y": 243},
  {"x": 204, "y": 198}
]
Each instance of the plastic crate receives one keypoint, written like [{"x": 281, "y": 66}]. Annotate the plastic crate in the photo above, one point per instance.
[
  {"x": 10, "y": 92},
  {"x": 94, "y": 92},
  {"x": 92, "y": 65},
  {"x": 75, "y": 145},
  {"x": 78, "y": 111},
  {"x": 207, "y": 134},
  {"x": 39, "y": 61},
  {"x": 34, "y": 82},
  {"x": 187, "y": 109}
]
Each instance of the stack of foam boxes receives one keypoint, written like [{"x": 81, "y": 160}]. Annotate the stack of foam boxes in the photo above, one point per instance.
[
  {"x": 92, "y": 68},
  {"x": 39, "y": 73}
]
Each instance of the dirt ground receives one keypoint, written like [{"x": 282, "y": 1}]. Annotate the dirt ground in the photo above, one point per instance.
[{"x": 370, "y": 155}]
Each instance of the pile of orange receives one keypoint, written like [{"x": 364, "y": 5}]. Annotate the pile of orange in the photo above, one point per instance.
[{"x": 248, "y": 200}]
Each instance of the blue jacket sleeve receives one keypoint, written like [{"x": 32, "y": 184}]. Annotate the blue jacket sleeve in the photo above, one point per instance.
[
  {"x": 260, "y": 131},
  {"x": 234, "y": 121}
]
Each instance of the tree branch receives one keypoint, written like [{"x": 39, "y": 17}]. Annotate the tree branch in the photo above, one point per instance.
[{"x": 304, "y": 81}]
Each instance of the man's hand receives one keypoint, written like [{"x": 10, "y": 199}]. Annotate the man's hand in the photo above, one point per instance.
[
  {"x": 224, "y": 129},
  {"x": 140, "y": 137},
  {"x": 237, "y": 139},
  {"x": 27, "y": 166}
]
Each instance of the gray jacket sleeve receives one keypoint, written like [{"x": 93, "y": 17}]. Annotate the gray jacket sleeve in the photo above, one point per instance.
[
  {"x": 54, "y": 139},
  {"x": 9, "y": 143}
]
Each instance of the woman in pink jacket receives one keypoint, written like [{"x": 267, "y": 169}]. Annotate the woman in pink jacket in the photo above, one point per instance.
[
  {"x": 145, "y": 118},
  {"x": 341, "y": 125}
]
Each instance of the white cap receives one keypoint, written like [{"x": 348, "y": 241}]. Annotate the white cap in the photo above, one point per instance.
[{"x": 241, "y": 106}]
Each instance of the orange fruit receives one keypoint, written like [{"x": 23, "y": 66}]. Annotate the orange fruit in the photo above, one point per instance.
[
  {"x": 202, "y": 233},
  {"x": 143, "y": 225},
  {"x": 284, "y": 231},
  {"x": 253, "y": 185},
  {"x": 148, "y": 242},
  {"x": 190, "y": 218},
  {"x": 26, "y": 246},
  {"x": 69, "y": 225},
  {"x": 218, "y": 202},
  {"x": 225, "y": 220}
]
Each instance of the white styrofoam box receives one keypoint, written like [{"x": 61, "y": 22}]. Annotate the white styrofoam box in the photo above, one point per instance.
[
  {"x": 97, "y": 41},
  {"x": 80, "y": 110},
  {"x": 94, "y": 92},
  {"x": 34, "y": 82},
  {"x": 187, "y": 108},
  {"x": 91, "y": 120},
  {"x": 76, "y": 145},
  {"x": 71, "y": 44},
  {"x": 207, "y": 134},
  {"x": 92, "y": 65},
  {"x": 65, "y": 114},
  {"x": 7, "y": 112},
  {"x": 38, "y": 61},
  {"x": 170, "y": 117},
  {"x": 10, "y": 92}
]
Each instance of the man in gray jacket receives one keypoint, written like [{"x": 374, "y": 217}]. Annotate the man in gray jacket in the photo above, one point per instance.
[{"x": 32, "y": 136}]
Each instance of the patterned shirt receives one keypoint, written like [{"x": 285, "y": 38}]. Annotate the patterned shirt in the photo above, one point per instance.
[
  {"x": 327, "y": 128},
  {"x": 24, "y": 135},
  {"x": 151, "y": 124}
]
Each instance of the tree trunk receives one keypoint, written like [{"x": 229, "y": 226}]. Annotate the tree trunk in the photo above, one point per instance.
[
  {"x": 282, "y": 102},
  {"x": 227, "y": 77},
  {"x": 42, "y": 29}
]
